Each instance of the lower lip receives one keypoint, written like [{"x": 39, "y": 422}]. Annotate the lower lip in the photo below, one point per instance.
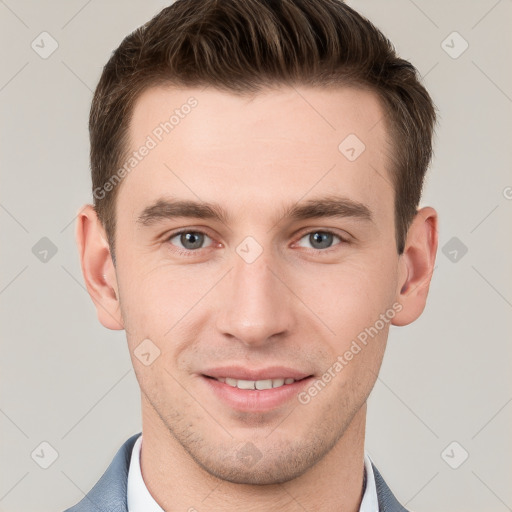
[{"x": 252, "y": 400}]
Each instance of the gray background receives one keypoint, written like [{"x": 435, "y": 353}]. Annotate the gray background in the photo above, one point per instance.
[{"x": 67, "y": 381}]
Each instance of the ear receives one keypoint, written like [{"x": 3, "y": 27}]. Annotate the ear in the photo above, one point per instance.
[
  {"x": 416, "y": 266},
  {"x": 97, "y": 268}
]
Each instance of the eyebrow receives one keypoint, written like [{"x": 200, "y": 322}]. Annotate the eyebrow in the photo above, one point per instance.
[{"x": 329, "y": 206}]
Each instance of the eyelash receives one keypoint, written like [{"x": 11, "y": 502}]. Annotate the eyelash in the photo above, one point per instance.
[{"x": 191, "y": 252}]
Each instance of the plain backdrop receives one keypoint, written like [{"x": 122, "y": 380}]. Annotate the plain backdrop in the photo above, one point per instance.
[{"x": 440, "y": 415}]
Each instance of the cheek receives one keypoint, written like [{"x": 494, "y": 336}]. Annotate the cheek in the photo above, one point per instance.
[
  {"x": 150, "y": 292},
  {"x": 161, "y": 304},
  {"x": 349, "y": 297}
]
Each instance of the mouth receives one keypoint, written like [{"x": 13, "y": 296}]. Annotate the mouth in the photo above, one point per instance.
[{"x": 255, "y": 391}]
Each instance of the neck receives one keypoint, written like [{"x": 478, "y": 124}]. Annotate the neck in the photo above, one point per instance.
[{"x": 177, "y": 482}]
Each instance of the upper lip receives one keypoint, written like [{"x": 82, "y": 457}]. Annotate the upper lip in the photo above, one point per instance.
[{"x": 240, "y": 373}]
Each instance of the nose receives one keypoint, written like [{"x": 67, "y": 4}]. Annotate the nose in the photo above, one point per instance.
[{"x": 255, "y": 306}]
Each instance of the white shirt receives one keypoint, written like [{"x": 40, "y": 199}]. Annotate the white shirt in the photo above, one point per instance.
[{"x": 140, "y": 500}]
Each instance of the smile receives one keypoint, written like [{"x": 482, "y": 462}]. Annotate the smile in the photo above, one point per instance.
[
  {"x": 255, "y": 395},
  {"x": 256, "y": 384}
]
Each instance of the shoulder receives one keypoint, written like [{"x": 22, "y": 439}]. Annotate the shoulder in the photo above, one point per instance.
[{"x": 109, "y": 493}]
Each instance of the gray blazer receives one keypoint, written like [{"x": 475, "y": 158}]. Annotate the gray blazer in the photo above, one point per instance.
[{"x": 109, "y": 493}]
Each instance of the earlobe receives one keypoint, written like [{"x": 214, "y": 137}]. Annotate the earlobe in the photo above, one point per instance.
[
  {"x": 97, "y": 268},
  {"x": 417, "y": 265}
]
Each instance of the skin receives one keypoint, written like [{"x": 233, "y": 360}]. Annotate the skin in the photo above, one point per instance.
[{"x": 292, "y": 306}]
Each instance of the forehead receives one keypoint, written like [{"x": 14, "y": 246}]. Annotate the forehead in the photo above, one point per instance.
[
  {"x": 257, "y": 150},
  {"x": 280, "y": 113}
]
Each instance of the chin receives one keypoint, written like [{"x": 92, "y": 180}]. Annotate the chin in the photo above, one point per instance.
[
  {"x": 261, "y": 475},
  {"x": 277, "y": 464}
]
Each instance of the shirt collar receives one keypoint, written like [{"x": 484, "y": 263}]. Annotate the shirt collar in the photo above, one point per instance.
[
  {"x": 138, "y": 497},
  {"x": 140, "y": 500},
  {"x": 369, "y": 503}
]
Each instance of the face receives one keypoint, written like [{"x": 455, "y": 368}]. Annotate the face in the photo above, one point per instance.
[{"x": 293, "y": 260}]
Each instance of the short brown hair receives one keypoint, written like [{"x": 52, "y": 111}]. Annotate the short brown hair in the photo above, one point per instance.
[{"x": 246, "y": 46}]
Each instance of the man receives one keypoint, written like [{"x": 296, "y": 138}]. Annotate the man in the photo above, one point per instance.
[{"x": 257, "y": 168}]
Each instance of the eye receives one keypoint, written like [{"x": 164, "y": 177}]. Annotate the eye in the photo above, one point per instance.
[
  {"x": 321, "y": 240},
  {"x": 189, "y": 240}
]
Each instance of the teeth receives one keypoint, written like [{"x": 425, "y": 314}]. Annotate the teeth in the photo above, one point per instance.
[
  {"x": 256, "y": 384},
  {"x": 263, "y": 384},
  {"x": 245, "y": 384}
]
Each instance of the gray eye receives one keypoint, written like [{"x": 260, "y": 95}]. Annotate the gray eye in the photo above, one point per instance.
[
  {"x": 320, "y": 239},
  {"x": 190, "y": 240}
]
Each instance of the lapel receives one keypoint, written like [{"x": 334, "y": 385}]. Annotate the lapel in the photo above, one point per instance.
[
  {"x": 386, "y": 499},
  {"x": 109, "y": 493}
]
